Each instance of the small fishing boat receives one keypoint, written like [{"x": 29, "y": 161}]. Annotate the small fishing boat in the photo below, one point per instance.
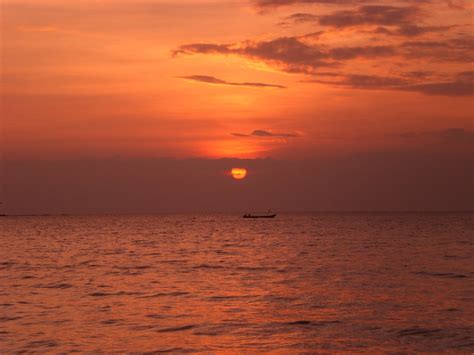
[{"x": 269, "y": 215}]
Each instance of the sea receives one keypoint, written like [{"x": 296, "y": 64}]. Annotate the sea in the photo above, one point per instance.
[{"x": 300, "y": 283}]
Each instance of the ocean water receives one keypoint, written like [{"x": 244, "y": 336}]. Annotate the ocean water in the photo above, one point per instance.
[{"x": 326, "y": 283}]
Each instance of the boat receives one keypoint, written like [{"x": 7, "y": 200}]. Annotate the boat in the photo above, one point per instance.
[{"x": 248, "y": 215}]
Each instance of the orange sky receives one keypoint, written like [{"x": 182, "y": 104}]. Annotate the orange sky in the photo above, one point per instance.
[{"x": 256, "y": 78}]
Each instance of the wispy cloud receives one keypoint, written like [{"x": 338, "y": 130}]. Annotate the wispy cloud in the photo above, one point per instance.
[
  {"x": 371, "y": 15},
  {"x": 291, "y": 54},
  {"x": 459, "y": 48},
  {"x": 268, "y": 4},
  {"x": 212, "y": 80},
  {"x": 277, "y": 3},
  {"x": 390, "y": 20},
  {"x": 461, "y": 85},
  {"x": 411, "y": 30}
]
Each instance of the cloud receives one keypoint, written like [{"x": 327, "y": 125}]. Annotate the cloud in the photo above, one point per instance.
[
  {"x": 265, "y": 134},
  {"x": 393, "y": 47},
  {"x": 449, "y": 135},
  {"x": 216, "y": 81},
  {"x": 345, "y": 53},
  {"x": 206, "y": 48},
  {"x": 456, "y": 49},
  {"x": 328, "y": 74},
  {"x": 362, "y": 81},
  {"x": 363, "y": 15},
  {"x": 367, "y": 82},
  {"x": 411, "y": 30},
  {"x": 300, "y": 54},
  {"x": 371, "y": 15},
  {"x": 403, "y": 17},
  {"x": 373, "y": 81},
  {"x": 401, "y": 21},
  {"x": 453, "y": 88},
  {"x": 269, "y": 4},
  {"x": 461, "y": 85},
  {"x": 302, "y": 17},
  {"x": 290, "y": 54},
  {"x": 277, "y": 3}
]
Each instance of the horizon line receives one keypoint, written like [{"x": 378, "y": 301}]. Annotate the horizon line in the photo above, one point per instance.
[{"x": 224, "y": 213}]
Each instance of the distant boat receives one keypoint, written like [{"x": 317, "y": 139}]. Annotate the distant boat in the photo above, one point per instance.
[{"x": 270, "y": 215}]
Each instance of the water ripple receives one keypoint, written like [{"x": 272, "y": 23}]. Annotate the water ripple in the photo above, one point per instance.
[{"x": 305, "y": 283}]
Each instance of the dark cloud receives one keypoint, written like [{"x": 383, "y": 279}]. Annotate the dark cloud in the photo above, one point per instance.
[
  {"x": 450, "y": 135},
  {"x": 286, "y": 50},
  {"x": 368, "y": 82},
  {"x": 328, "y": 74},
  {"x": 213, "y": 80},
  {"x": 371, "y": 15},
  {"x": 205, "y": 48},
  {"x": 453, "y": 88},
  {"x": 408, "y": 48},
  {"x": 456, "y": 49},
  {"x": 462, "y": 85},
  {"x": 374, "y": 81},
  {"x": 278, "y": 3},
  {"x": 291, "y": 54},
  {"x": 264, "y": 134},
  {"x": 411, "y": 30},
  {"x": 300, "y": 54},
  {"x": 366, "y": 15},
  {"x": 302, "y": 18},
  {"x": 268, "y": 4},
  {"x": 345, "y": 53},
  {"x": 401, "y": 21},
  {"x": 296, "y": 55}
]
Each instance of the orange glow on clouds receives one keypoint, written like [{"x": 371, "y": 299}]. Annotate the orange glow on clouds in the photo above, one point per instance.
[
  {"x": 178, "y": 83},
  {"x": 238, "y": 173}
]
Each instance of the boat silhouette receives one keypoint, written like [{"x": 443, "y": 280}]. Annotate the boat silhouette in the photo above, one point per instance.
[{"x": 266, "y": 215}]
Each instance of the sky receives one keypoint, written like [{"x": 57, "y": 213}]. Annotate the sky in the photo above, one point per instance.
[{"x": 145, "y": 105}]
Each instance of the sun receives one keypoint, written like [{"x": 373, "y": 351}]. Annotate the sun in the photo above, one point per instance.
[{"x": 238, "y": 173}]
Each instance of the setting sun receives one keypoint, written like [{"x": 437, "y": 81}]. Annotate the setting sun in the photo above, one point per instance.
[{"x": 238, "y": 173}]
